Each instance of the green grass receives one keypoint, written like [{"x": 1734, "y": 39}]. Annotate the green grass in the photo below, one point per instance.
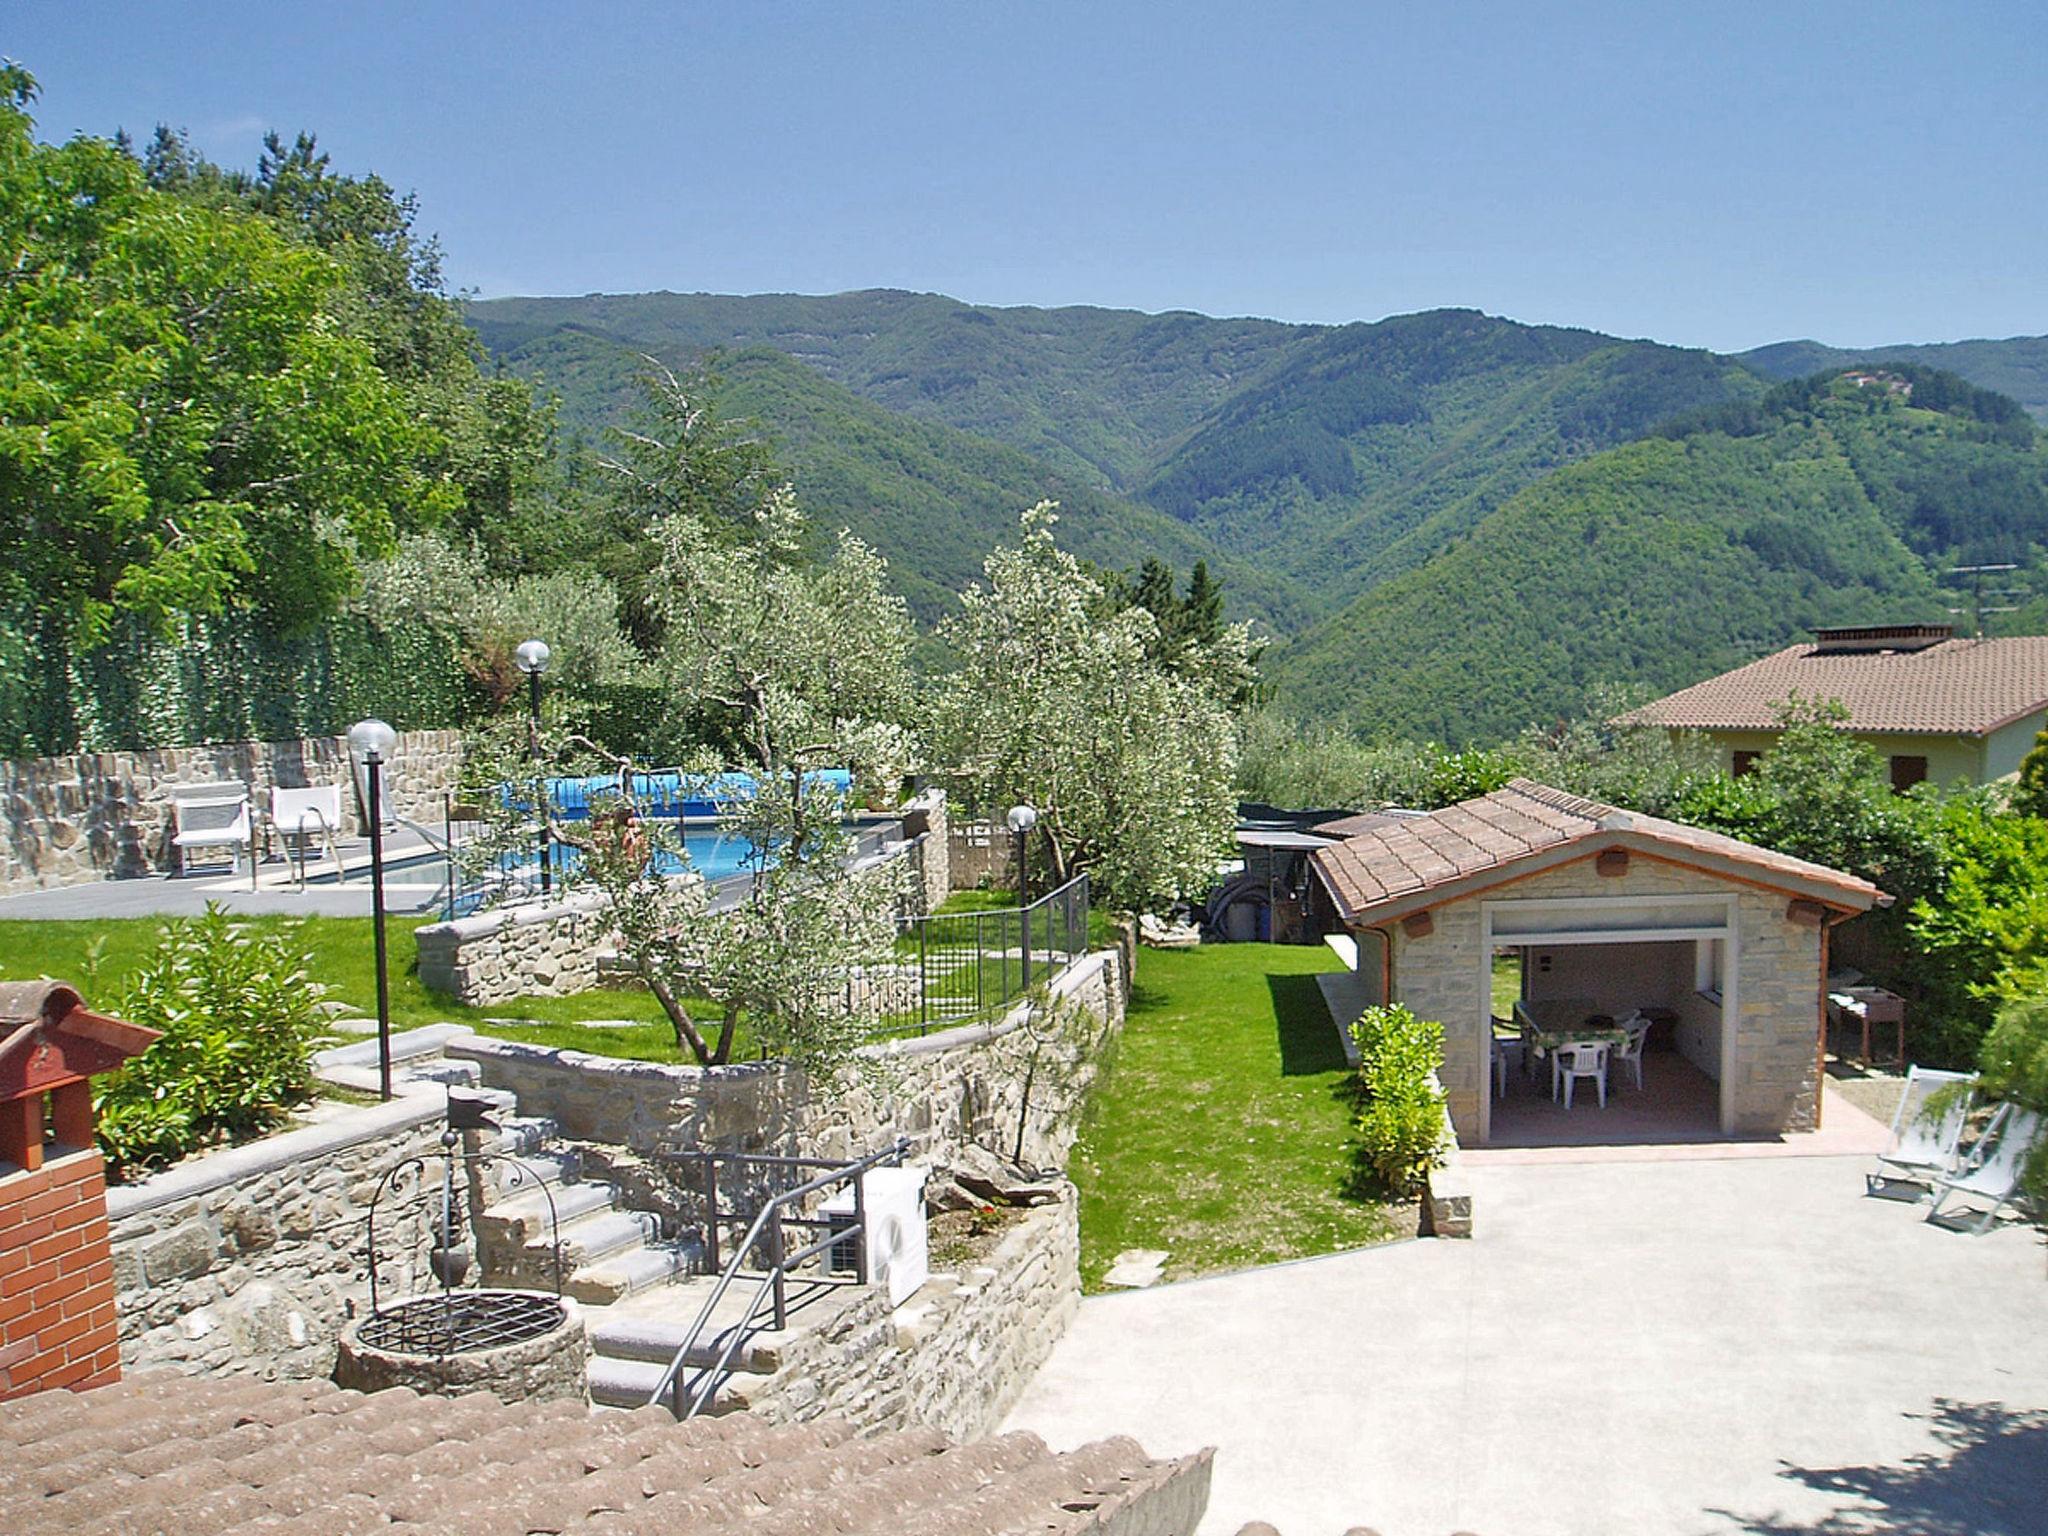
[
  {"x": 1222, "y": 1129},
  {"x": 344, "y": 959},
  {"x": 1507, "y": 984}
]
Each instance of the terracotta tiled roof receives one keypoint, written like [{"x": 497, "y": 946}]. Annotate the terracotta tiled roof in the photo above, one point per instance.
[
  {"x": 1419, "y": 856},
  {"x": 1958, "y": 687},
  {"x": 191, "y": 1455}
]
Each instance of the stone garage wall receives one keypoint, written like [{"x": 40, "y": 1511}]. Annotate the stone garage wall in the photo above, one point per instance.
[
  {"x": 95, "y": 815},
  {"x": 1014, "y": 1087},
  {"x": 252, "y": 1258},
  {"x": 955, "y": 1356}
]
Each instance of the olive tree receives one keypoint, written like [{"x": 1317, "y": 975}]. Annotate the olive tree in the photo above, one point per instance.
[{"x": 1061, "y": 699}]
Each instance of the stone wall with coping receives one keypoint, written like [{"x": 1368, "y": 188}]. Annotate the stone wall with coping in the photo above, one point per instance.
[
  {"x": 253, "y": 1258},
  {"x": 100, "y": 815},
  {"x": 928, "y": 823},
  {"x": 956, "y": 1355},
  {"x": 1014, "y": 1087},
  {"x": 533, "y": 948}
]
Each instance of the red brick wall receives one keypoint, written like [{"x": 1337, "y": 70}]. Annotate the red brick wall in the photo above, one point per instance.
[{"x": 56, "y": 1278}]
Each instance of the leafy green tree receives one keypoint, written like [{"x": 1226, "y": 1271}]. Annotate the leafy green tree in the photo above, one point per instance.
[
  {"x": 184, "y": 424},
  {"x": 2030, "y": 790},
  {"x": 1059, "y": 700}
]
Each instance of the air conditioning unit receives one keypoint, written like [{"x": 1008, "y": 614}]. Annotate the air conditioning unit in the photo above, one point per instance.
[{"x": 896, "y": 1240}]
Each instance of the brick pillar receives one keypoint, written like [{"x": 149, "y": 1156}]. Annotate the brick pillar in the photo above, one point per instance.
[
  {"x": 56, "y": 1278},
  {"x": 56, "y": 1257}
]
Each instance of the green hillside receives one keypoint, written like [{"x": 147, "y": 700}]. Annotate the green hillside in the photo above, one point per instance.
[
  {"x": 934, "y": 500},
  {"x": 2016, "y": 366},
  {"x": 1370, "y": 450},
  {"x": 1669, "y": 559},
  {"x": 1098, "y": 394}
]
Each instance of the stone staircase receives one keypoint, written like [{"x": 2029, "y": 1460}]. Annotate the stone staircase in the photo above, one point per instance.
[{"x": 639, "y": 1291}]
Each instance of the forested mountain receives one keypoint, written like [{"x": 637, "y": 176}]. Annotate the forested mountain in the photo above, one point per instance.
[
  {"x": 2016, "y": 366},
  {"x": 1098, "y": 394},
  {"x": 1694, "y": 549},
  {"x": 933, "y": 499}
]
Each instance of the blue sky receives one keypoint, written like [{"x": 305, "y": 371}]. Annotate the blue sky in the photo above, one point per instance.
[{"x": 1709, "y": 175}]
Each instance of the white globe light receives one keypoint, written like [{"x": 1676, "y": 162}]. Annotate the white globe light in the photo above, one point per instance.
[
  {"x": 1022, "y": 818},
  {"x": 372, "y": 740},
  {"x": 532, "y": 657}
]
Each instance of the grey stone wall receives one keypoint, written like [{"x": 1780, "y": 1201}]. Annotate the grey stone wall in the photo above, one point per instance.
[
  {"x": 95, "y": 815},
  {"x": 544, "y": 948},
  {"x": 1014, "y": 1087},
  {"x": 258, "y": 1273},
  {"x": 1777, "y": 978},
  {"x": 955, "y": 1356},
  {"x": 927, "y": 821},
  {"x": 980, "y": 852}
]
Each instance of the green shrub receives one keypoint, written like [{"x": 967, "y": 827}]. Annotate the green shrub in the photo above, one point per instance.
[
  {"x": 2014, "y": 1065},
  {"x": 1400, "y": 1115},
  {"x": 239, "y": 1021}
]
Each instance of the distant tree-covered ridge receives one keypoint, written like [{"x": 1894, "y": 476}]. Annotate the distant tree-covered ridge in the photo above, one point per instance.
[{"x": 1685, "y": 553}]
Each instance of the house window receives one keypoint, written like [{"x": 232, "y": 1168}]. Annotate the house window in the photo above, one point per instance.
[
  {"x": 1908, "y": 771},
  {"x": 1745, "y": 762},
  {"x": 1708, "y": 957}
]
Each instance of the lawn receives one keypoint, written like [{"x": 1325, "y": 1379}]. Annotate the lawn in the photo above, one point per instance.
[
  {"x": 344, "y": 959},
  {"x": 1221, "y": 1131}
]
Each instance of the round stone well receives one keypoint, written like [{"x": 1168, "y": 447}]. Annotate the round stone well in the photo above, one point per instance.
[{"x": 516, "y": 1345}]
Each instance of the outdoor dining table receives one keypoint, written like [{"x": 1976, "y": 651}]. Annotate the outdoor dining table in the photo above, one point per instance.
[{"x": 1550, "y": 1022}]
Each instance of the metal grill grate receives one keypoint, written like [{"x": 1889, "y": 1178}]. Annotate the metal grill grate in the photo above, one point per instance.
[{"x": 458, "y": 1321}]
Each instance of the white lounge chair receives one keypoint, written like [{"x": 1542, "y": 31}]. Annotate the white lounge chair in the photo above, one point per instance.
[
  {"x": 213, "y": 816},
  {"x": 306, "y": 814},
  {"x": 1994, "y": 1174},
  {"x": 1922, "y": 1148}
]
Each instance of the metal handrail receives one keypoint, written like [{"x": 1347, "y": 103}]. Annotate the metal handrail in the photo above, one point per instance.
[{"x": 707, "y": 1382}]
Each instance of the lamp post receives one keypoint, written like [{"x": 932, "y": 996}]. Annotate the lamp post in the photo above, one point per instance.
[
  {"x": 1021, "y": 820},
  {"x": 532, "y": 658},
  {"x": 372, "y": 741}
]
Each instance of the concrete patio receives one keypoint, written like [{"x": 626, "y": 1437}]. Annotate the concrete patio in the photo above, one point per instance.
[{"x": 1742, "y": 1343}]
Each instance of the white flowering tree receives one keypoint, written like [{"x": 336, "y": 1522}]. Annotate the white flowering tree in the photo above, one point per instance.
[{"x": 1061, "y": 699}]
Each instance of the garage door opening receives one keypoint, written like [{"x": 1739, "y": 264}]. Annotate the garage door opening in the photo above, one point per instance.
[{"x": 1565, "y": 975}]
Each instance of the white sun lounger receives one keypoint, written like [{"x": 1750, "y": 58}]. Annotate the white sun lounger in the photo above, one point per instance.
[
  {"x": 1995, "y": 1175},
  {"x": 1922, "y": 1148},
  {"x": 212, "y": 816}
]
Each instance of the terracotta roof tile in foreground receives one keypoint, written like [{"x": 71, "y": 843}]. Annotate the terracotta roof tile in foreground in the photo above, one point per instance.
[
  {"x": 1410, "y": 860},
  {"x": 202, "y": 1456},
  {"x": 1958, "y": 687}
]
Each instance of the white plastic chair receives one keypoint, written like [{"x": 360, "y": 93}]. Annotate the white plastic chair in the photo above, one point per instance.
[
  {"x": 306, "y": 814},
  {"x": 213, "y": 816},
  {"x": 1583, "y": 1059},
  {"x": 1994, "y": 1174},
  {"x": 1630, "y": 1052},
  {"x": 1922, "y": 1148}
]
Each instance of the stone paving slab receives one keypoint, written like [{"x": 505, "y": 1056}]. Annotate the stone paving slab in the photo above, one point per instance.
[{"x": 1684, "y": 1347}]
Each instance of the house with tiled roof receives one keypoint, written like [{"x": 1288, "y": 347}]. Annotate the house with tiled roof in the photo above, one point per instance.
[
  {"x": 1934, "y": 706},
  {"x": 1595, "y": 914}
]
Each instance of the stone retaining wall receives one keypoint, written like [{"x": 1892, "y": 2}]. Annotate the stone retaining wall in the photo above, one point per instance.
[
  {"x": 252, "y": 1258},
  {"x": 1014, "y": 1087},
  {"x": 95, "y": 815},
  {"x": 955, "y": 1356},
  {"x": 537, "y": 948}
]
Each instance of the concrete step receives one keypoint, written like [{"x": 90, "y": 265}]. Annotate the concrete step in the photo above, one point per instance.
[
  {"x": 521, "y": 1135},
  {"x": 655, "y": 1339},
  {"x": 523, "y": 1218},
  {"x": 630, "y": 1272},
  {"x": 590, "y": 1238},
  {"x": 616, "y": 1383}
]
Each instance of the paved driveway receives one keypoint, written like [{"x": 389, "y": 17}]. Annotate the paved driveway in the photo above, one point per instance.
[{"x": 1671, "y": 1347}]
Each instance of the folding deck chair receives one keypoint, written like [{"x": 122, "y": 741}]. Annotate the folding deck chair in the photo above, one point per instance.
[
  {"x": 1995, "y": 1173},
  {"x": 1922, "y": 1148},
  {"x": 214, "y": 816}
]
